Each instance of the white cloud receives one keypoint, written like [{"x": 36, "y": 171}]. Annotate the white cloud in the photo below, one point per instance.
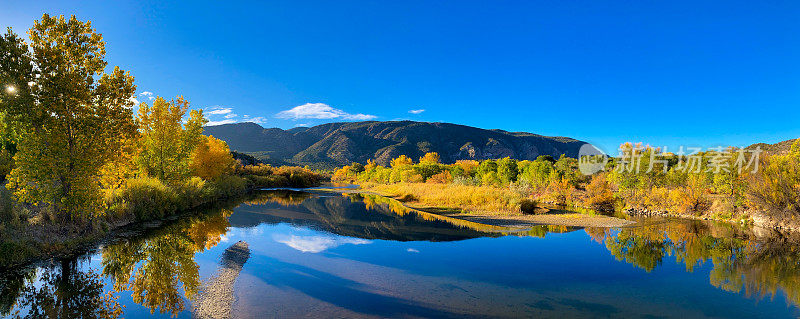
[
  {"x": 320, "y": 111},
  {"x": 302, "y": 125},
  {"x": 316, "y": 244},
  {"x": 412, "y": 250},
  {"x": 218, "y": 110},
  {"x": 218, "y": 115},
  {"x": 416, "y": 111},
  {"x": 360, "y": 117},
  {"x": 134, "y": 100},
  {"x": 257, "y": 119},
  {"x": 220, "y": 122},
  {"x": 149, "y": 95}
]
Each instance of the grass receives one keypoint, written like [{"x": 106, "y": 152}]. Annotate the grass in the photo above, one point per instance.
[{"x": 452, "y": 196}]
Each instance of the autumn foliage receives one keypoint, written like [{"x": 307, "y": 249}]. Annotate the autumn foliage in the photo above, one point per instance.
[{"x": 211, "y": 158}]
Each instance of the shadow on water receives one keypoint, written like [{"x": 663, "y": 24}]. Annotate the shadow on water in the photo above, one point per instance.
[{"x": 159, "y": 268}]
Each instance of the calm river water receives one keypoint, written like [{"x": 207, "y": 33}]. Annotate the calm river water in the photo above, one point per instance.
[{"x": 314, "y": 254}]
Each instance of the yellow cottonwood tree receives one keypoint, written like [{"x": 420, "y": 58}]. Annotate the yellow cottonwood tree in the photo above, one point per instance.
[
  {"x": 166, "y": 144},
  {"x": 70, "y": 115},
  {"x": 211, "y": 158}
]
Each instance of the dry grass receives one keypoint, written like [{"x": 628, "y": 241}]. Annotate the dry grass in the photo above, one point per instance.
[{"x": 452, "y": 196}]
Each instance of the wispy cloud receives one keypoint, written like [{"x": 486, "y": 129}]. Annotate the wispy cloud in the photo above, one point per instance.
[
  {"x": 218, "y": 115},
  {"x": 218, "y": 110},
  {"x": 220, "y": 122},
  {"x": 321, "y": 111},
  {"x": 256, "y": 119},
  {"x": 416, "y": 111},
  {"x": 149, "y": 95}
]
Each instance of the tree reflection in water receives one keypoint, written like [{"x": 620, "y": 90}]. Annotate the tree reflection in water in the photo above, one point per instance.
[
  {"x": 742, "y": 262},
  {"x": 159, "y": 269},
  {"x": 63, "y": 292}
]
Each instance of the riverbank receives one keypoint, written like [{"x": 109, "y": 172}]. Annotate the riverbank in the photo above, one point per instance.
[{"x": 143, "y": 203}]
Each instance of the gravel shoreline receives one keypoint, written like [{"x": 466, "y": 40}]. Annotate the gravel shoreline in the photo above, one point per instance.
[{"x": 570, "y": 219}]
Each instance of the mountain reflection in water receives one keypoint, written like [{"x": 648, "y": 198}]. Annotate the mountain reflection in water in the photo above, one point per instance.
[{"x": 165, "y": 271}]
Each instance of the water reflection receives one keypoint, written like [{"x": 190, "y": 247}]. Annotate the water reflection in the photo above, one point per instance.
[
  {"x": 759, "y": 266},
  {"x": 316, "y": 244},
  {"x": 160, "y": 269},
  {"x": 358, "y": 216},
  {"x": 62, "y": 291}
]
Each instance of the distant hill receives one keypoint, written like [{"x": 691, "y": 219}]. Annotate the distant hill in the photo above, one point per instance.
[
  {"x": 777, "y": 148},
  {"x": 336, "y": 144}
]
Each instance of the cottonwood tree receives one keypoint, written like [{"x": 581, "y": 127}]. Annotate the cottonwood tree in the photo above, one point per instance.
[
  {"x": 211, "y": 158},
  {"x": 72, "y": 117},
  {"x": 166, "y": 143}
]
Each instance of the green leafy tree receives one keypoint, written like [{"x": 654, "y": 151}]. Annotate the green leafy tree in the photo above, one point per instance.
[
  {"x": 537, "y": 173},
  {"x": 70, "y": 115},
  {"x": 166, "y": 144},
  {"x": 507, "y": 170}
]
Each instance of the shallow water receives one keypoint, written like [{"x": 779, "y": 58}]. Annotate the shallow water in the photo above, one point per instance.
[{"x": 296, "y": 254}]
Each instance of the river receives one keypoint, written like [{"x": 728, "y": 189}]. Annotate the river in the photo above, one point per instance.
[{"x": 282, "y": 253}]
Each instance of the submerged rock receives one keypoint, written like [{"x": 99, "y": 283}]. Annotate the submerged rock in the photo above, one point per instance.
[{"x": 216, "y": 297}]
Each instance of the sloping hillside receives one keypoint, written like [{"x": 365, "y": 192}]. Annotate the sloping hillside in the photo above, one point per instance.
[
  {"x": 777, "y": 148},
  {"x": 342, "y": 143}
]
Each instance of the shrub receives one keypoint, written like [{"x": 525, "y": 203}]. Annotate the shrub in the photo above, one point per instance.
[
  {"x": 694, "y": 197},
  {"x": 775, "y": 188},
  {"x": 10, "y": 213},
  {"x": 145, "y": 198},
  {"x": 599, "y": 195},
  {"x": 228, "y": 186},
  {"x": 192, "y": 193},
  {"x": 560, "y": 192},
  {"x": 442, "y": 178},
  {"x": 288, "y": 176},
  {"x": 528, "y": 206}
]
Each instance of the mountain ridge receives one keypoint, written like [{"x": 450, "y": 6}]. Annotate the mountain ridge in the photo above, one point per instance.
[{"x": 340, "y": 143}]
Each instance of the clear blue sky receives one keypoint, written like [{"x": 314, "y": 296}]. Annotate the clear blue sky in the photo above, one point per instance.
[{"x": 696, "y": 73}]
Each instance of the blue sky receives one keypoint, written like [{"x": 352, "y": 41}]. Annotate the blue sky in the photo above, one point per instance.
[{"x": 695, "y": 73}]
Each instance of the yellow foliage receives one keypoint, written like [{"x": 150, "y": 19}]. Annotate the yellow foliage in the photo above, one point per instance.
[
  {"x": 442, "y": 178},
  {"x": 469, "y": 166},
  {"x": 560, "y": 191},
  {"x": 430, "y": 158},
  {"x": 453, "y": 196},
  {"x": 600, "y": 196},
  {"x": 211, "y": 158},
  {"x": 694, "y": 197},
  {"x": 401, "y": 160}
]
